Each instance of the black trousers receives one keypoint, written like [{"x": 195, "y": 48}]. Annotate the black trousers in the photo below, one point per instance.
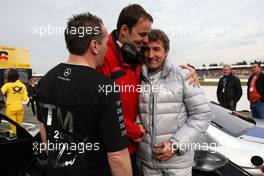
[
  {"x": 229, "y": 105},
  {"x": 134, "y": 164}
]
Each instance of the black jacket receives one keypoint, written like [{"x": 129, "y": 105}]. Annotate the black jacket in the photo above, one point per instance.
[
  {"x": 259, "y": 86},
  {"x": 233, "y": 90}
]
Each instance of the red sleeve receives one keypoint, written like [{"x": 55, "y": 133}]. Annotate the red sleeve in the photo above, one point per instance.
[{"x": 132, "y": 129}]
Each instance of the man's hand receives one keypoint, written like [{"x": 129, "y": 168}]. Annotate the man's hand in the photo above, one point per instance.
[
  {"x": 143, "y": 130},
  {"x": 192, "y": 76},
  {"x": 138, "y": 140},
  {"x": 163, "y": 151}
]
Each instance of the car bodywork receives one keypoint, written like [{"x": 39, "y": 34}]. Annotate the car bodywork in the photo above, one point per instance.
[
  {"x": 235, "y": 137},
  {"x": 16, "y": 152}
]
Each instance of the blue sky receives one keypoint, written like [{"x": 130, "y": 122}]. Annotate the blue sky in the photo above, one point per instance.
[{"x": 201, "y": 31}]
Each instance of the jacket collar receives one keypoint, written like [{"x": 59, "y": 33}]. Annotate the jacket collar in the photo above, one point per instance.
[
  {"x": 112, "y": 43},
  {"x": 261, "y": 74},
  {"x": 167, "y": 68}
]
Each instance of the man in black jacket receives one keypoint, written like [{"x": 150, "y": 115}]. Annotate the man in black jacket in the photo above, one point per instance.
[
  {"x": 229, "y": 89},
  {"x": 255, "y": 91}
]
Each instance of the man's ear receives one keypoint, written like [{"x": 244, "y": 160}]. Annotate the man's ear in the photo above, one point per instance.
[
  {"x": 94, "y": 47},
  {"x": 124, "y": 30},
  {"x": 166, "y": 54}
]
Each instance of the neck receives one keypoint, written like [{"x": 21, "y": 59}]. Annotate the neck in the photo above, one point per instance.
[
  {"x": 152, "y": 72},
  {"x": 81, "y": 60},
  {"x": 121, "y": 39}
]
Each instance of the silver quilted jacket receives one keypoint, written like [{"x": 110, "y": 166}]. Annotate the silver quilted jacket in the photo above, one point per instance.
[{"x": 172, "y": 110}]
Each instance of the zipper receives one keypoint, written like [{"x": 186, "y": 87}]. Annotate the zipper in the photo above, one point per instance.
[
  {"x": 153, "y": 127},
  {"x": 151, "y": 121}
]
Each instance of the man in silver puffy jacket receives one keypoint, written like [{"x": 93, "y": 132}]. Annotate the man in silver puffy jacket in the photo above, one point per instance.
[{"x": 173, "y": 113}]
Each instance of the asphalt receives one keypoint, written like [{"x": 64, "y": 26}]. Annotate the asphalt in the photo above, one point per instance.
[{"x": 28, "y": 115}]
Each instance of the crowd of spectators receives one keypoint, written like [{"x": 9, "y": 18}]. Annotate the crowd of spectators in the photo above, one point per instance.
[{"x": 216, "y": 73}]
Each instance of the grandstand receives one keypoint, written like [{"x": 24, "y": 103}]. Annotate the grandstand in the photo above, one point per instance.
[{"x": 215, "y": 72}]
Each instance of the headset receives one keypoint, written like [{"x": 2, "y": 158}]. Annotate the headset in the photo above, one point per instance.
[{"x": 131, "y": 55}]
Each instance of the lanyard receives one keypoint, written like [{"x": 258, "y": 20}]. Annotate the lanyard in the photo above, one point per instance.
[
  {"x": 253, "y": 81},
  {"x": 224, "y": 84}
]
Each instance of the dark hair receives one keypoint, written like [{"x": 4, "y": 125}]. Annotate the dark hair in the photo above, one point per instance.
[
  {"x": 91, "y": 27},
  {"x": 157, "y": 34},
  {"x": 12, "y": 75},
  {"x": 258, "y": 63},
  {"x": 130, "y": 16}
]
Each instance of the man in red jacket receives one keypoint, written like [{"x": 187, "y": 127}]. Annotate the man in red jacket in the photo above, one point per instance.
[
  {"x": 122, "y": 63},
  {"x": 133, "y": 26}
]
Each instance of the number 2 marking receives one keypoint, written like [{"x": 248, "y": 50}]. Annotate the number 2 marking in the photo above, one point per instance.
[{"x": 56, "y": 136}]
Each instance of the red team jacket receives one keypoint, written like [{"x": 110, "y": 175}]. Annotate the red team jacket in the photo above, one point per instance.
[{"x": 128, "y": 78}]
